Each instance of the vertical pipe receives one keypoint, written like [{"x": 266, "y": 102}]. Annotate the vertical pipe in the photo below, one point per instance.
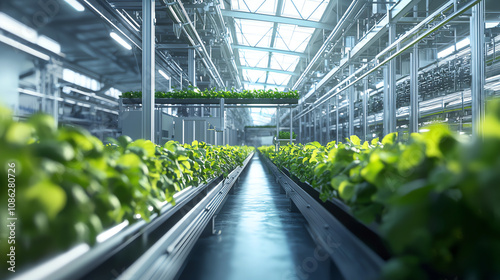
[
  {"x": 351, "y": 103},
  {"x": 277, "y": 126},
  {"x": 477, "y": 67},
  {"x": 192, "y": 66},
  {"x": 148, "y": 69},
  {"x": 365, "y": 108},
  {"x": 291, "y": 125},
  {"x": 414, "y": 90},
  {"x": 222, "y": 124},
  {"x": 328, "y": 120},
  {"x": 337, "y": 118},
  {"x": 391, "y": 110}
]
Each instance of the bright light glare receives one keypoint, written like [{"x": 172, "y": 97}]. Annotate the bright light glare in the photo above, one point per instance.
[
  {"x": 380, "y": 84},
  {"x": 120, "y": 40},
  {"x": 49, "y": 44},
  {"x": 462, "y": 44},
  {"x": 164, "y": 74},
  {"x": 491, "y": 24},
  {"x": 446, "y": 52},
  {"x": 76, "y": 5},
  {"x": 22, "y": 47},
  {"x": 17, "y": 28}
]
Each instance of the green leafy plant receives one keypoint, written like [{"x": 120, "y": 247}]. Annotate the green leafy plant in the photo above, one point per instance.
[
  {"x": 434, "y": 197},
  {"x": 192, "y": 92},
  {"x": 69, "y": 186},
  {"x": 286, "y": 135}
]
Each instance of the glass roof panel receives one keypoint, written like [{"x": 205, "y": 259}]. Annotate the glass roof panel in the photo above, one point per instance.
[
  {"x": 254, "y": 76},
  {"x": 304, "y": 9},
  {"x": 255, "y": 6},
  {"x": 284, "y": 62},
  {"x": 253, "y": 33},
  {"x": 278, "y": 78},
  {"x": 253, "y": 58},
  {"x": 253, "y": 86},
  {"x": 293, "y": 37}
]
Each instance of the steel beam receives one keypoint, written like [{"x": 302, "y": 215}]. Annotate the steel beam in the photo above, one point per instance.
[
  {"x": 276, "y": 19},
  {"x": 243, "y": 47},
  {"x": 148, "y": 69},
  {"x": 477, "y": 68},
  {"x": 351, "y": 103},
  {"x": 268, "y": 70},
  {"x": 414, "y": 61}
]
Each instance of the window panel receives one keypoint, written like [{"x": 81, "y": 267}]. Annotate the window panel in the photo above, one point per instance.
[
  {"x": 252, "y": 58},
  {"x": 284, "y": 62},
  {"x": 293, "y": 37},
  {"x": 253, "y": 33},
  {"x": 255, "y": 6},
  {"x": 305, "y": 9}
]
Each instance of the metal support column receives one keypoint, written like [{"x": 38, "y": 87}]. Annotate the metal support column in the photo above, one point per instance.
[
  {"x": 337, "y": 118},
  {"x": 222, "y": 124},
  {"x": 390, "y": 89},
  {"x": 477, "y": 67},
  {"x": 365, "y": 108},
  {"x": 277, "y": 127},
  {"x": 291, "y": 125},
  {"x": 148, "y": 69},
  {"x": 414, "y": 89},
  {"x": 192, "y": 66},
  {"x": 328, "y": 120},
  {"x": 351, "y": 103}
]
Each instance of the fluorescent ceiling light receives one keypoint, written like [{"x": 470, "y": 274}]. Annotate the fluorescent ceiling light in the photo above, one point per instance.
[
  {"x": 49, "y": 44},
  {"x": 76, "y": 5},
  {"x": 23, "y": 48},
  {"x": 491, "y": 24},
  {"x": 120, "y": 40},
  {"x": 17, "y": 28},
  {"x": 462, "y": 44},
  {"x": 164, "y": 74},
  {"x": 446, "y": 52},
  {"x": 380, "y": 84}
]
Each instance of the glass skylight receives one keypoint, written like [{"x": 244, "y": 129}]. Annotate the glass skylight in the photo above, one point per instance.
[
  {"x": 284, "y": 62},
  {"x": 278, "y": 78},
  {"x": 293, "y": 37},
  {"x": 254, "y": 76},
  {"x": 253, "y": 58},
  {"x": 304, "y": 9},
  {"x": 253, "y": 32},
  {"x": 268, "y": 37},
  {"x": 255, "y": 6}
]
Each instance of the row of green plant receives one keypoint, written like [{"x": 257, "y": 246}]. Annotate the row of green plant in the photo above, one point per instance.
[
  {"x": 214, "y": 93},
  {"x": 434, "y": 199},
  {"x": 286, "y": 135},
  {"x": 69, "y": 186}
]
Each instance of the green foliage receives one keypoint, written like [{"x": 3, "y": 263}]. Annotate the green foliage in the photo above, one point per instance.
[
  {"x": 69, "y": 186},
  {"x": 286, "y": 135},
  {"x": 434, "y": 197},
  {"x": 193, "y": 92}
]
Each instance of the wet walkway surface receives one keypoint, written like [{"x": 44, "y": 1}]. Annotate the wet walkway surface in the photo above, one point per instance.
[{"x": 259, "y": 238}]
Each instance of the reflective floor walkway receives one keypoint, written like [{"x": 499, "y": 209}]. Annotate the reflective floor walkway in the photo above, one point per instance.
[{"x": 259, "y": 239}]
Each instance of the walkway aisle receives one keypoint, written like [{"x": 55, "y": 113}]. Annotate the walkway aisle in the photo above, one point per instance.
[{"x": 259, "y": 239}]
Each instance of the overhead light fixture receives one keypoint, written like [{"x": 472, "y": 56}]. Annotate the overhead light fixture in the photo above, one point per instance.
[
  {"x": 22, "y": 47},
  {"x": 462, "y": 44},
  {"x": 120, "y": 40},
  {"x": 446, "y": 52},
  {"x": 17, "y": 28},
  {"x": 164, "y": 74},
  {"x": 76, "y": 5},
  {"x": 491, "y": 24},
  {"x": 49, "y": 44},
  {"x": 380, "y": 84}
]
